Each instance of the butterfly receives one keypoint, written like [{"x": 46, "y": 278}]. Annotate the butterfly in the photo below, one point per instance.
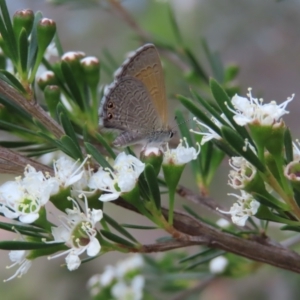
[{"x": 135, "y": 102}]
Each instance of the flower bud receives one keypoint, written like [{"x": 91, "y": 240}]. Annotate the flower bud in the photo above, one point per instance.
[
  {"x": 23, "y": 19},
  {"x": 91, "y": 69},
  {"x": 73, "y": 59},
  {"x": 153, "y": 156},
  {"x": 47, "y": 78},
  {"x": 52, "y": 98},
  {"x": 46, "y": 29},
  {"x": 292, "y": 173}
]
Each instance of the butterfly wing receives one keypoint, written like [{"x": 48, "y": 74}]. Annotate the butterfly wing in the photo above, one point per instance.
[
  {"x": 127, "y": 106},
  {"x": 144, "y": 64}
]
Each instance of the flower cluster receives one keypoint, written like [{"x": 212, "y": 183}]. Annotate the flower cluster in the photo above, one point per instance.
[
  {"x": 122, "y": 281},
  {"x": 122, "y": 179},
  {"x": 265, "y": 125},
  {"x": 78, "y": 232}
]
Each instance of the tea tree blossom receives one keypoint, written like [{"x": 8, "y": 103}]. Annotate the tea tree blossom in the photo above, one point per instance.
[
  {"x": 24, "y": 197},
  {"x": 242, "y": 172},
  {"x": 18, "y": 257},
  {"x": 133, "y": 290},
  {"x": 123, "y": 279},
  {"x": 252, "y": 110},
  {"x": 122, "y": 179},
  {"x": 218, "y": 265},
  {"x": 79, "y": 233},
  {"x": 210, "y": 134},
  {"x": 245, "y": 207},
  {"x": 182, "y": 154},
  {"x": 68, "y": 171}
]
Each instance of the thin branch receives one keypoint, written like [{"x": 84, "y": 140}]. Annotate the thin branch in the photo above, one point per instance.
[
  {"x": 254, "y": 247},
  {"x": 14, "y": 163},
  {"x": 32, "y": 107}
]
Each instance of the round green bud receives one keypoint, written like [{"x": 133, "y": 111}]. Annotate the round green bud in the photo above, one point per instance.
[
  {"x": 46, "y": 29},
  {"x": 23, "y": 19},
  {"x": 47, "y": 78}
]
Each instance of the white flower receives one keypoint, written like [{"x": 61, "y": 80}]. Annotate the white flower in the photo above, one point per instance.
[
  {"x": 123, "y": 291},
  {"x": 127, "y": 170},
  {"x": 242, "y": 172},
  {"x": 252, "y": 110},
  {"x": 211, "y": 134},
  {"x": 18, "y": 257},
  {"x": 68, "y": 171},
  {"x": 107, "y": 276},
  {"x": 245, "y": 207},
  {"x": 79, "y": 233},
  {"x": 218, "y": 265},
  {"x": 125, "y": 266},
  {"x": 181, "y": 155},
  {"x": 223, "y": 223},
  {"x": 23, "y": 198}
]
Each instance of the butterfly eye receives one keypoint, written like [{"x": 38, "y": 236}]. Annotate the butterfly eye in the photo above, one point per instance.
[
  {"x": 109, "y": 116},
  {"x": 171, "y": 134},
  {"x": 110, "y": 105}
]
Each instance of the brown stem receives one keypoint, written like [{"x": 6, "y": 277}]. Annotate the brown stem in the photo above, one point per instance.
[
  {"x": 31, "y": 107},
  {"x": 199, "y": 233},
  {"x": 14, "y": 163}
]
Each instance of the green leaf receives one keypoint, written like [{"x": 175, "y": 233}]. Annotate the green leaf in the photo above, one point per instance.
[
  {"x": 7, "y": 31},
  {"x": 119, "y": 228},
  {"x": 206, "y": 259},
  {"x": 116, "y": 239},
  {"x": 97, "y": 156},
  {"x": 196, "y": 66},
  {"x": 72, "y": 84},
  {"x": 69, "y": 147},
  {"x": 290, "y": 228},
  {"x": 206, "y": 252},
  {"x": 12, "y": 80},
  {"x": 264, "y": 213},
  {"x": 236, "y": 142},
  {"x": 58, "y": 44},
  {"x": 214, "y": 61},
  {"x": 23, "y": 229},
  {"x": 23, "y": 50},
  {"x": 153, "y": 185},
  {"x": 199, "y": 114},
  {"x": 68, "y": 128},
  {"x": 103, "y": 142},
  {"x": 221, "y": 97},
  {"x": 139, "y": 227},
  {"x": 21, "y": 245},
  {"x": 175, "y": 26},
  {"x": 12, "y": 127},
  {"x": 288, "y": 146},
  {"x": 16, "y": 144},
  {"x": 33, "y": 46},
  {"x": 210, "y": 108}
]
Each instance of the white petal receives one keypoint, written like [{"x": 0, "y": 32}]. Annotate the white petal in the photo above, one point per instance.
[
  {"x": 29, "y": 218},
  {"x": 96, "y": 215},
  {"x": 109, "y": 197},
  {"x": 17, "y": 255},
  {"x": 73, "y": 261},
  {"x": 8, "y": 213},
  {"x": 93, "y": 248}
]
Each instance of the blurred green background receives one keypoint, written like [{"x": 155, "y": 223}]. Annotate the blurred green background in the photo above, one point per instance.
[{"x": 262, "y": 37}]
